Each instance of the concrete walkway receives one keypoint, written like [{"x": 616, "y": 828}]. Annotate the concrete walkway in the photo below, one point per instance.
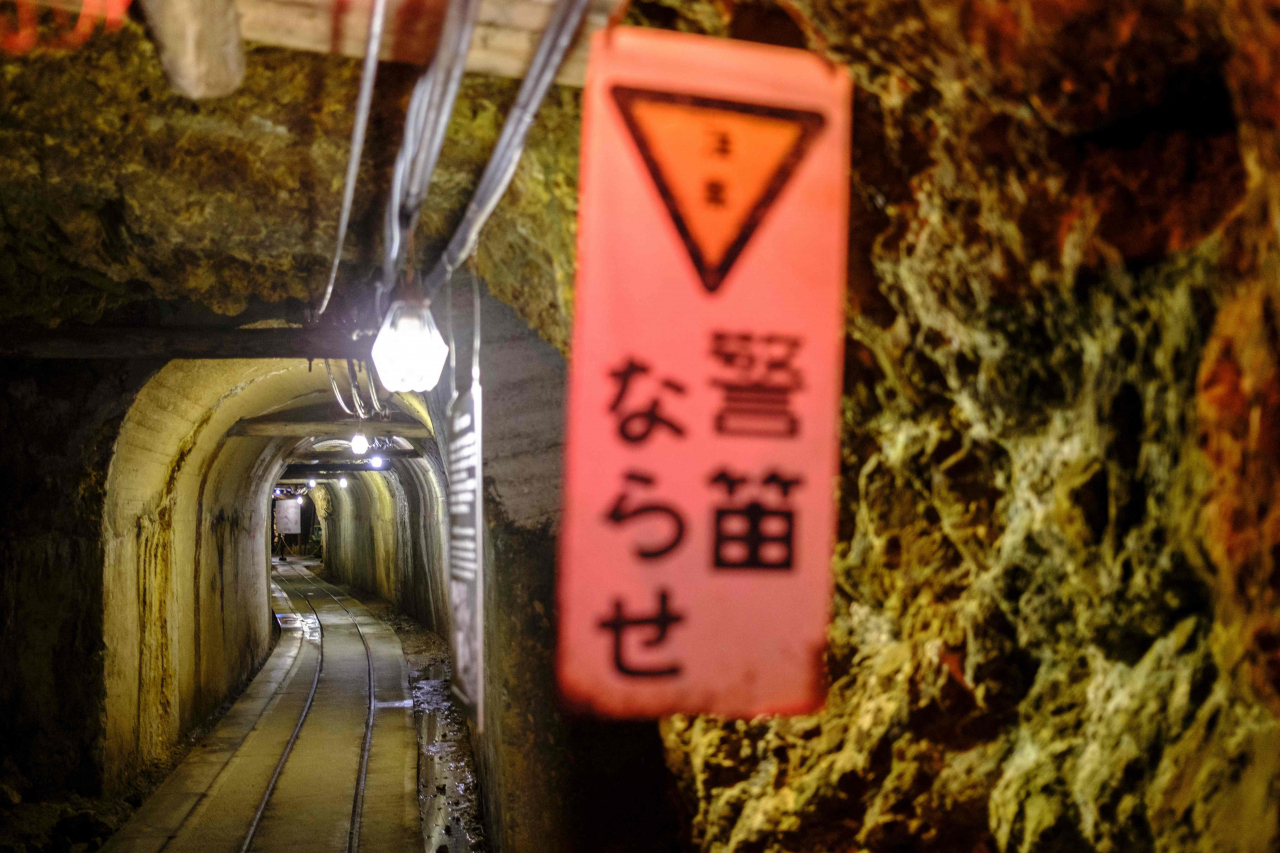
[{"x": 282, "y": 771}]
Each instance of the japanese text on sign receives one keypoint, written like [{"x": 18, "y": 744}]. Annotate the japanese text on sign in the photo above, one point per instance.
[{"x": 703, "y": 404}]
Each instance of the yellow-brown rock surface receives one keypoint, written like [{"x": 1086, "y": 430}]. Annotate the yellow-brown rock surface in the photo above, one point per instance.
[{"x": 1056, "y": 626}]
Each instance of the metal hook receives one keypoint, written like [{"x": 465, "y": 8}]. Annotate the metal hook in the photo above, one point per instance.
[
  {"x": 372, "y": 384},
  {"x": 355, "y": 390},
  {"x": 27, "y": 35},
  {"x": 333, "y": 383},
  {"x": 24, "y": 38}
]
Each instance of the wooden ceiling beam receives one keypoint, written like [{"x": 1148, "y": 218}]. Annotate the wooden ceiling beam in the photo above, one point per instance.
[
  {"x": 299, "y": 471},
  {"x": 174, "y": 342},
  {"x": 283, "y": 428},
  {"x": 321, "y": 457},
  {"x": 199, "y": 40},
  {"x": 506, "y": 34}
]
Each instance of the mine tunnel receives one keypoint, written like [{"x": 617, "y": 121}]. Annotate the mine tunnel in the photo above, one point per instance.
[{"x": 577, "y": 427}]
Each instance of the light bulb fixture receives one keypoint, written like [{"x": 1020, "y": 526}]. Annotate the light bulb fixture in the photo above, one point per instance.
[
  {"x": 409, "y": 352},
  {"x": 375, "y": 461},
  {"x": 311, "y": 484},
  {"x": 359, "y": 444},
  {"x": 342, "y": 482},
  {"x": 299, "y": 500}
]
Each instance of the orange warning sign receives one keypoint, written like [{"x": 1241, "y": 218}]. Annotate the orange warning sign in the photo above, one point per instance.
[
  {"x": 718, "y": 165},
  {"x": 702, "y": 443}
]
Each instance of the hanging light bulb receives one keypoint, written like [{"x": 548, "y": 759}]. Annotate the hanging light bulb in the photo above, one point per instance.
[
  {"x": 299, "y": 500},
  {"x": 359, "y": 444},
  {"x": 342, "y": 482},
  {"x": 409, "y": 352},
  {"x": 375, "y": 461},
  {"x": 311, "y": 484}
]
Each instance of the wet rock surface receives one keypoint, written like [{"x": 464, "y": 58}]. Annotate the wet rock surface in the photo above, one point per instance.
[
  {"x": 1055, "y": 626},
  {"x": 1053, "y": 583},
  {"x": 448, "y": 792}
]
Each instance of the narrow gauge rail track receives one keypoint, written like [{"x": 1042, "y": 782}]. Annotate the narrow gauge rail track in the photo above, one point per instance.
[
  {"x": 319, "y": 753},
  {"x": 357, "y": 805}
]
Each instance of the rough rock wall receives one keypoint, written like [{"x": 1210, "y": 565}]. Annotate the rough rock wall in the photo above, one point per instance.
[
  {"x": 58, "y": 425},
  {"x": 1054, "y": 627},
  {"x": 115, "y": 190}
]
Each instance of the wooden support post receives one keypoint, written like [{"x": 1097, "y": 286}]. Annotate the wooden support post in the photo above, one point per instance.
[{"x": 199, "y": 43}]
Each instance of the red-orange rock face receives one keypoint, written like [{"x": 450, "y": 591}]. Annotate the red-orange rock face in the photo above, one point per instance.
[{"x": 1238, "y": 408}]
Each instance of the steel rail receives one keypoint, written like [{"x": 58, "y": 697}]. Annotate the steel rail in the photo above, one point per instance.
[
  {"x": 288, "y": 747},
  {"x": 357, "y": 806}
]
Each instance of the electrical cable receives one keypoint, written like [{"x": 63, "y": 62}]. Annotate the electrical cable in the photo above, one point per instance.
[
  {"x": 430, "y": 108},
  {"x": 373, "y": 387},
  {"x": 333, "y": 383},
  {"x": 453, "y": 351},
  {"x": 566, "y": 15},
  {"x": 355, "y": 390},
  {"x": 377, "y": 14}
]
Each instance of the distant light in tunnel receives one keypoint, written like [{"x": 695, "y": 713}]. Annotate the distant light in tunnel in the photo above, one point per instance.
[
  {"x": 376, "y": 461},
  {"x": 409, "y": 352},
  {"x": 342, "y": 482},
  {"x": 299, "y": 500},
  {"x": 311, "y": 484},
  {"x": 359, "y": 444}
]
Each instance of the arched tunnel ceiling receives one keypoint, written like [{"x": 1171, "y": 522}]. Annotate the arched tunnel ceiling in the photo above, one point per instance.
[{"x": 174, "y": 472}]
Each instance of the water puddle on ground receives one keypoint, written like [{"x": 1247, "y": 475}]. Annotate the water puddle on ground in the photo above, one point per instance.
[{"x": 448, "y": 792}]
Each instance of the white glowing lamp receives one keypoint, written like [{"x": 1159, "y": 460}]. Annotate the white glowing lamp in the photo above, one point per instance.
[
  {"x": 342, "y": 482},
  {"x": 299, "y": 500},
  {"x": 375, "y": 461},
  {"x": 409, "y": 351},
  {"x": 311, "y": 484},
  {"x": 359, "y": 444}
]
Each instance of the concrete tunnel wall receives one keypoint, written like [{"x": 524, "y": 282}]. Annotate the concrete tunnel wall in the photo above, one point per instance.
[
  {"x": 551, "y": 783},
  {"x": 385, "y": 533},
  {"x": 185, "y": 533},
  {"x": 163, "y": 566},
  {"x": 133, "y": 556}
]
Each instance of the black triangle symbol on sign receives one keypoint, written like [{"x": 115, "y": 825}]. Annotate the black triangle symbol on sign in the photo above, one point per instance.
[{"x": 718, "y": 165}]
